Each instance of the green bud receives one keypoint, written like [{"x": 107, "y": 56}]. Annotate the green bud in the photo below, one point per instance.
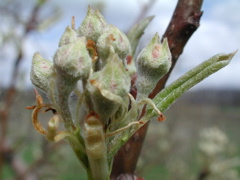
[
  {"x": 93, "y": 25},
  {"x": 108, "y": 87},
  {"x": 153, "y": 62},
  {"x": 52, "y": 127},
  {"x": 116, "y": 39},
  {"x": 68, "y": 36},
  {"x": 41, "y": 71},
  {"x": 94, "y": 140},
  {"x": 94, "y": 137},
  {"x": 73, "y": 61}
]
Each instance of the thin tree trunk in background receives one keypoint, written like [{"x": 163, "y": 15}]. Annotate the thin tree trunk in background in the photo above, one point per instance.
[
  {"x": 184, "y": 23},
  {"x": 6, "y": 150}
]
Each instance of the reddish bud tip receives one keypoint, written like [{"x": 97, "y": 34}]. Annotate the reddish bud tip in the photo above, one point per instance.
[
  {"x": 30, "y": 107},
  {"x": 161, "y": 118},
  {"x": 92, "y": 114}
]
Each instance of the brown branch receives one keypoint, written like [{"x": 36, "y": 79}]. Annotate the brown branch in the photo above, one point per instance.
[
  {"x": 203, "y": 174},
  {"x": 184, "y": 23}
]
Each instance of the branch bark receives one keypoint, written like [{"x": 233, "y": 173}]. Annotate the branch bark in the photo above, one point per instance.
[{"x": 184, "y": 23}]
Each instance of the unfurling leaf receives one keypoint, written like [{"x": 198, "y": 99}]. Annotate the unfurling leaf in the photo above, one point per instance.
[
  {"x": 166, "y": 97},
  {"x": 137, "y": 31}
]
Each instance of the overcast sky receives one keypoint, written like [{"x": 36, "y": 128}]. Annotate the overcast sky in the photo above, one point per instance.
[{"x": 219, "y": 33}]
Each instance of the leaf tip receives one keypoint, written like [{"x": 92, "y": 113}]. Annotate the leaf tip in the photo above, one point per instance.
[
  {"x": 150, "y": 18},
  {"x": 227, "y": 57},
  {"x": 230, "y": 55}
]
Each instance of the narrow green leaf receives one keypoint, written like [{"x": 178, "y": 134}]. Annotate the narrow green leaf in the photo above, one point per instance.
[
  {"x": 50, "y": 20},
  {"x": 171, "y": 93},
  {"x": 137, "y": 31}
]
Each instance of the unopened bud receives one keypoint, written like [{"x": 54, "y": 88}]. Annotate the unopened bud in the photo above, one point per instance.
[
  {"x": 153, "y": 62},
  {"x": 52, "y": 127},
  {"x": 94, "y": 137},
  {"x": 93, "y": 25},
  {"x": 116, "y": 39},
  {"x": 73, "y": 61},
  {"x": 109, "y": 86},
  {"x": 41, "y": 72},
  {"x": 68, "y": 36}
]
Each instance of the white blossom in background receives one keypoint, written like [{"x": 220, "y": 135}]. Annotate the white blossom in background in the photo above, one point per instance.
[{"x": 212, "y": 141}]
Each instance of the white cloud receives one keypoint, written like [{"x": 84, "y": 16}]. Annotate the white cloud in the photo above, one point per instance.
[{"x": 227, "y": 11}]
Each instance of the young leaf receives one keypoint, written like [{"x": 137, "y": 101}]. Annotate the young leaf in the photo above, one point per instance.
[
  {"x": 137, "y": 31},
  {"x": 171, "y": 93}
]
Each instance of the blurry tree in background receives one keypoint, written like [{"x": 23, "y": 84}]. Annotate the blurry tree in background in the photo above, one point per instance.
[
  {"x": 40, "y": 161},
  {"x": 18, "y": 20}
]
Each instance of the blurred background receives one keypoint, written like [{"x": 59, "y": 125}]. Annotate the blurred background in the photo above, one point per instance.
[{"x": 201, "y": 132}]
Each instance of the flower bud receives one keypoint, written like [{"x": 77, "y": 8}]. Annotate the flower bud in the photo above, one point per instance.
[
  {"x": 41, "y": 72},
  {"x": 52, "y": 127},
  {"x": 73, "y": 61},
  {"x": 93, "y": 25},
  {"x": 94, "y": 136},
  {"x": 108, "y": 87},
  {"x": 96, "y": 149},
  {"x": 68, "y": 36},
  {"x": 115, "y": 38},
  {"x": 153, "y": 62}
]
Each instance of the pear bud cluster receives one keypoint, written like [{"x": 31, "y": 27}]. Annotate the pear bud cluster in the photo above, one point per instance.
[
  {"x": 106, "y": 81},
  {"x": 96, "y": 63},
  {"x": 98, "y": 56}
]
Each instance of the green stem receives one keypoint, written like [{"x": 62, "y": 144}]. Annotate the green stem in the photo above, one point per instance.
[
  {"x": 96, "y": 150},
  {"x": 64, "y": 88},
  {"x": 82, "y": 157},
  {"x": 77, "y": 144},
  {"x": 99, "y": 168}
]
